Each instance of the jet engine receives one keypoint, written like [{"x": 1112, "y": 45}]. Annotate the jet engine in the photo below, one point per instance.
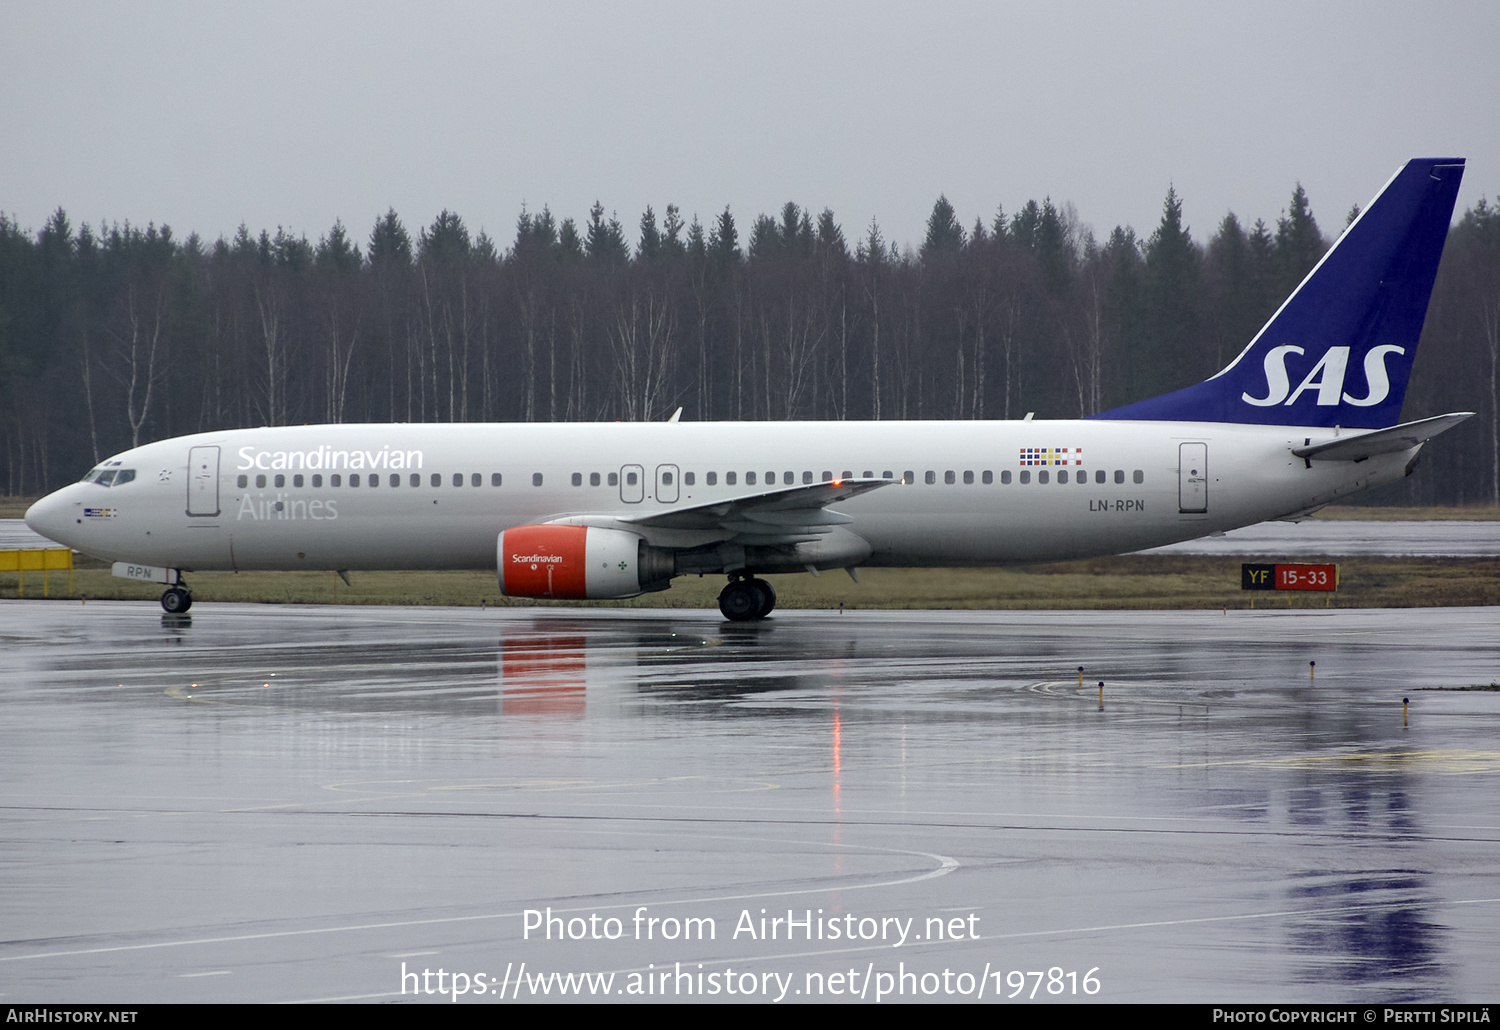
[{"x": 579, "y": 563}]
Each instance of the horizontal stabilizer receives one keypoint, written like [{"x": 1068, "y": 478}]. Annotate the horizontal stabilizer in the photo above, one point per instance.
[{"x": 1383, "y": 441}]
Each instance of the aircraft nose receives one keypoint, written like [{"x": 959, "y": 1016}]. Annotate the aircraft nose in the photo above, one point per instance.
[{"x": 51, "y": 517}]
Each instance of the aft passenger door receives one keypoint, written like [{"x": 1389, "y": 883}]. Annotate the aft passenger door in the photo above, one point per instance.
[{"x": 1192, "y": 478}]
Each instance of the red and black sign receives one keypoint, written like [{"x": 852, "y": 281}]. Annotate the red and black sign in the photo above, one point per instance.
[{"x": 1289, "y": 577}]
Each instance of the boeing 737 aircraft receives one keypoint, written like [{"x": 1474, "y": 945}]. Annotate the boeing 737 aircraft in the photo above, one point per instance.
[{"x": 1305, "y": 415}]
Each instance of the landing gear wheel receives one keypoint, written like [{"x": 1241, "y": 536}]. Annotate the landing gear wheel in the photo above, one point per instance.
[
  {"x": 746, "y": 600},
  {"x": 767, "y": 597},
  {"x": 176, "y": 600},
  {"x": 740, "y": 601}
]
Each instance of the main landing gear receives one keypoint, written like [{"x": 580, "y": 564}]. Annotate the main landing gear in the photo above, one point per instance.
[
  {"x": 747, "y": 599},
  {"x": 176, "y": 600}
]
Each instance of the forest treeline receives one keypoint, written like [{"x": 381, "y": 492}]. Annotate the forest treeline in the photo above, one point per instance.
[{"x": 117, "y": 335}]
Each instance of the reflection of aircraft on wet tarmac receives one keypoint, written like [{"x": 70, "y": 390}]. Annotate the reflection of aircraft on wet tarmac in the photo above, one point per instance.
[{"x": 1305, "y": 415}]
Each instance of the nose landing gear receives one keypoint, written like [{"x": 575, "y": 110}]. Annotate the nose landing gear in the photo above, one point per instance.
[{"x": 747, "y": 599}]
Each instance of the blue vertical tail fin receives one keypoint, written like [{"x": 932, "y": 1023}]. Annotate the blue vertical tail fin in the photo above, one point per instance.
[{"x": 1339, "y": 351}]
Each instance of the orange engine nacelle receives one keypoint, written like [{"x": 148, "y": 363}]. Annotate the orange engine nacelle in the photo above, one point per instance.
[{"x": 578, "y": 563}]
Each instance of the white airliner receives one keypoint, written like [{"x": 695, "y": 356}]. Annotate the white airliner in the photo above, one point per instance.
[{"x": 1304, "y": 416}]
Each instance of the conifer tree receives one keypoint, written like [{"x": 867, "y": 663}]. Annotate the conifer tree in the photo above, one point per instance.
[
  {"x": 944, "y": 234},
  {"x": 1299, "y": 243}
]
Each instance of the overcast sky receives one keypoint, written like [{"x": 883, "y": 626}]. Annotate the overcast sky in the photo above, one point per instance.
[{"x": 206, "y": 115}]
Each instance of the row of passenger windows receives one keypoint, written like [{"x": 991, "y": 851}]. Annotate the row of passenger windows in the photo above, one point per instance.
[
  {"x": 373, "y": 479},
  {"x": 950, "y": 477}
]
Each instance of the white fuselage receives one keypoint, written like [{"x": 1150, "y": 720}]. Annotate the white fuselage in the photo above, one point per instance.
[{"x": 266, "y": 498}]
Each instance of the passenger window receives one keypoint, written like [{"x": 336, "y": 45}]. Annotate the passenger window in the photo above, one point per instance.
[
  {"x": 749, "y": 478},
  {"x": 495, "y": 479},
  {"x": 848, "y": 474},
  {"x": 416, "y": 479},
  {"x": 243, "y": 482},
  {"x": 280, "y": 481},
  {"x": 374, "y": 479},
  {"x": 536, "y": 479},
  {"x": 458, "y": 479},
  {"x": 317, "y": 481},
  {"x": 950, "y": 478},
  {"x": 729, "y": 478},
  {"x": 395, "y": 479},
  {"x": 1005, "y": 477},
  {"x": 712, "y": 479},
  {"x": 614, "y": 479},
  {"x": 807, "y": 477},
  {"x": 908, "y": 477},
  {"x": 1042, "y": 476},
  {"x": 260, "y": 482},
  {"x": 1099, "y": 476},
  {"x": 1138, "y": 476},
  {"x": 437, "y": 479},
  {"x": 1062, "y": 476},
  {"x": 931, "y": 477},
  {"x": 1119, "y": 475},
  {"x": 297, "y": 480},
  {"x": 968, "y": 477},
  {"x": 666, "y": 479},
  {"x": 593, "y": 479},
  {"x": 578, "y": 479},
  {"x": 475, "y": 479},
  {"x": 771, "y": 478},
  {"x": 688, "y": 478},
  {"x": 337, "y": 480},
  {"x": 631, "y": 479},
  {"x": 888, "y": 474},
  {"x": 988, "y": 478},
  {"x": 353, "y": 479},
  {"x": 1025, "y": 475}
]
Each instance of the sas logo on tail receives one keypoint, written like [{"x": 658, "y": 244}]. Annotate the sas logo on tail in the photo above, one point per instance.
[{"x": 1326, "y": 378}]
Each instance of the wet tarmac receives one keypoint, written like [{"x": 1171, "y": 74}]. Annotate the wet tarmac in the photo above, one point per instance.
[
  {"x": 1438, "y": 539},
  {"x": 257, "y": 803},
  {"x": 14, "y": 533}
]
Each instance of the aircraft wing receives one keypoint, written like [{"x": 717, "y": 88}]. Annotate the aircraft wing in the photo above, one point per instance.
[
  {"x": 1382, "y": 441},
  {"x": 786, "y": 516}
]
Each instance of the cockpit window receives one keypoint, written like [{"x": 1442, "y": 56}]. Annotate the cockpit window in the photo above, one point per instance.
[{"x": 109, "y": 476}]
